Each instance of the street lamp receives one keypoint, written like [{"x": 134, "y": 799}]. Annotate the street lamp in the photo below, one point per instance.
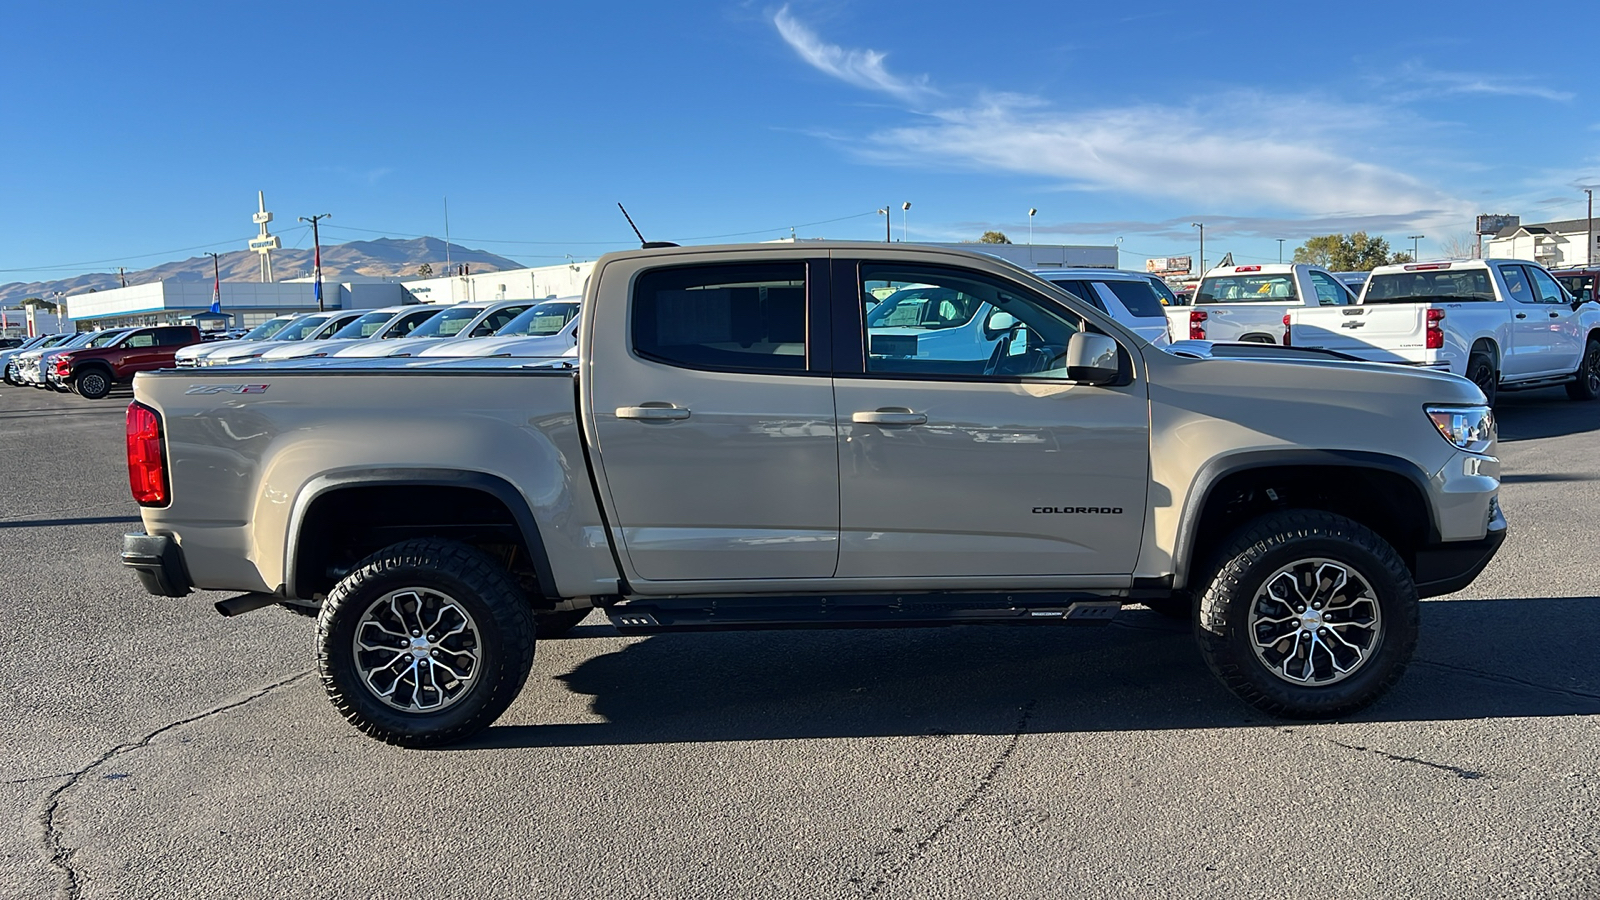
[
  {"x": 1413, "y": 238},
  {"x": 1202, "y": 227},
  {"x": 1280, "y": 250},
  {"x": 886, "y": 219},
  {"x": 1588, "y": 256},
  {"x": 316, "y": 271},
  {"x": 904, "y": 235},
  {"x": 1031, "y": 213}
]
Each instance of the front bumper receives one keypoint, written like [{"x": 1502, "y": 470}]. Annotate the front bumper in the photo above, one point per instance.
[
  {"x": 1447, "y": 567},
  {"x": 158, "y": 561}
]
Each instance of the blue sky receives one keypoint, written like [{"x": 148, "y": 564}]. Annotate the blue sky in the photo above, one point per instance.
[{"x": 148, "y": 129}]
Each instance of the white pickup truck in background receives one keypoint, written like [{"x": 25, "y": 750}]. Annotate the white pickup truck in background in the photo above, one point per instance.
[
  {"x": 1504, "y": 324},
  {"x": 1248, "y": 303}
]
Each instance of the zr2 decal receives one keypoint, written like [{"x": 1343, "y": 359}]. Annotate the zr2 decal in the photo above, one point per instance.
[{"x": 226, "y": 389}]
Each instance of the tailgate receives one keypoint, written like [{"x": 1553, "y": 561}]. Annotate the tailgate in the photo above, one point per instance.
[{"x": 1382, "y": 332}]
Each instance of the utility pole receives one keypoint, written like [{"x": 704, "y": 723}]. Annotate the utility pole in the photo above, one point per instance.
[
  {"x": 216, "y": 282},
  {"x": 1415, "y": 252},
  {"x": 122, "y": 275},
  {"x": 1280, "y": 250},
  {"x": 1202, "y": 227},
  {"x": 1588, "y": 257},
  {"x": 316, "y": 242},
  {"x": 447, "y": 237}
]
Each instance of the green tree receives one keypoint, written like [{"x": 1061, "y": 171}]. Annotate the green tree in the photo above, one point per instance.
[
  {"x": 1357, "y": 252},
  {"x": 994, "y": 237},
  {"x": 424, "y": 271}
]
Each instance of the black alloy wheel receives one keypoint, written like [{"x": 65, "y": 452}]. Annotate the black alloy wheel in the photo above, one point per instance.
[{"x": 1585, "y": 384}]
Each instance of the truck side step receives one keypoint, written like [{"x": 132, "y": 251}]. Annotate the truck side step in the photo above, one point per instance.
[{"x": 651, "y": 616}]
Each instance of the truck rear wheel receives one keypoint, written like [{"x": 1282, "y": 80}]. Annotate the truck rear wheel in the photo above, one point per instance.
[
  {"x": 1310, "y": 615},
  {"x": 424, "y": 643},
  {"x": 92, "y": 384},
  {"x": 1586, "y": 383},
  {"x": 1480, "y": 371}
]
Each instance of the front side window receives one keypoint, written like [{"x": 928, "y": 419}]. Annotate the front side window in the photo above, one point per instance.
[
  {"x": 1548, "y": 290},
  {"x": 541, "y": 320},
  {"x": 406, "y": 324},
  {"x": 447, "y": 323},
  {"x": 299, "y": 329},
  {"x": 496, "y": 320},
  {"x": 141, "y": 340},
  {"x": 739, "y": 317},
  {"x": 365, "y": 326},
  {"x": 1329, "y": 291},
  {"x": 1004, "y": 332},
  {"x": 1247, "y": 288}
]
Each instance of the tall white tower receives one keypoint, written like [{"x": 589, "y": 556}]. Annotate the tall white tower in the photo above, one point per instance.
[{"x": 264, "y": 243}]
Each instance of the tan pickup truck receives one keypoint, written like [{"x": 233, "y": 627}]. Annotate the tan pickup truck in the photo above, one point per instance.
[{"x": 733, "y": 447}]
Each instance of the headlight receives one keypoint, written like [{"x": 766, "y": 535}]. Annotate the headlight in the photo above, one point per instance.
[{"x": 1471, "y": 428}]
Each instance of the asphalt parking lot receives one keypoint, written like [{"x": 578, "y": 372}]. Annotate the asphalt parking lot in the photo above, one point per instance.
[{"x": 155, "y": 749}]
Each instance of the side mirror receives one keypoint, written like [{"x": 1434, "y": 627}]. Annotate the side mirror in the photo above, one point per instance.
[
  {"x": 1092, "y": 359},
  {"x": 999, "y": 323}
]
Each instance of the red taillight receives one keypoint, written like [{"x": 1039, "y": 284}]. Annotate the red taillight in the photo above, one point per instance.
[
  {"x": 1247, "y": 268},
  {"x": 1286, "y": 330},
  {"x": 1427, "y": 267},
  {"x": 1435, "y": 330},
  {"x": 1197, "y": 325},
  {"x": 147, "y": 466}
]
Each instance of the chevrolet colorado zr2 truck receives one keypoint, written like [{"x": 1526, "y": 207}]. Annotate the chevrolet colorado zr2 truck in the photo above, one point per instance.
[{"x": 733, "y": 447}]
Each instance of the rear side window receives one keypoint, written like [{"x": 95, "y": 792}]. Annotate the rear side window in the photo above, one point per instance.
[
  {"x": 173, "y": 337},
  {"x": 1330, "y": 292},
  {"x": 1083, "y": 290},
  {"x": 1253, "y": 288},
  {"x": 1517, "y": 287},
  {"x": 744, "y": 318},
  {"x": 1139, "y": 297}
]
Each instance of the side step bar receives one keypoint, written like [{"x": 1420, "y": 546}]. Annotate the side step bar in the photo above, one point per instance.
[{"x": 890, "y": 611}]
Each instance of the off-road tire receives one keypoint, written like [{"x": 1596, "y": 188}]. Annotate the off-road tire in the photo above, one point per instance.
[
  {"x": 1585, "y": 384},
  {"x": 1261, "y": 548},
  {"x": 473, "y": 579},
  {"x": 92, "y": 384},
  {"x": 1480, "y": 371},
  {"x": 556, "y": 623}
]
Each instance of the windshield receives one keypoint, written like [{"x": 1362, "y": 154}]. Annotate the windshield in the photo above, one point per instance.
[
  {"x": 266, "y": 329},
  {"x": 542, "y": 320},
  {"x": 1580, "y": 287},
  {"x": 1251, "y": 288},
  {"x": 1424, "y": 287},
  {"x": 926, "y": 308},
  {"x": 55, "y": 340},
  {"x": 448, "y": 323},
  {"x": 364, "y": 327},
  {"x": 299, "y": 328}
]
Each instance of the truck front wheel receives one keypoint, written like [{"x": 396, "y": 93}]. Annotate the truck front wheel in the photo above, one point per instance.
[
  {"x": 92, "y": 384},
  {"x": 424, "y": 643},
  {"x": 1585, "y": 384},
  {"x": 1309, "y": 616}
]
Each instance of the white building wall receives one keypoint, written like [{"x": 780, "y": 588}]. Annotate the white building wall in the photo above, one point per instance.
[
  {"x": 565, "y": 280},
  {"x": 1555, "y": 251}
]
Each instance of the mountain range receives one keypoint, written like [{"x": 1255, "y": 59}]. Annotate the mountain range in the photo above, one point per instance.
[{"x": 378, "y": 258}]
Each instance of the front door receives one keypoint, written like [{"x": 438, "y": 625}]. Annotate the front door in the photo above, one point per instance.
[
  {"x": 711, "y": 413},
  {"x": 1565, "y": 332},
  {"x": 978, "y": 458},
  {"x": 1530, "y": 329}
]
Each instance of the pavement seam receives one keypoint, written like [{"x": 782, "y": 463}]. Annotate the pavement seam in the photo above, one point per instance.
[
  {"x": 920, "y": 849},
  {"x": 60, "y": 856},
  {"x": 1506, "y": 679}
]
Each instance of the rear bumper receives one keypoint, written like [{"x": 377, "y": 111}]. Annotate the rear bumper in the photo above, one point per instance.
[
  {"x": 1450, "y": 566},
  {"x": 158, "y": 561}
]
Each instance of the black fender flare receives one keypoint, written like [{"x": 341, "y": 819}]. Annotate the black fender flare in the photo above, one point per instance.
[
  {"x": 1214, "y": 471},
  {"x": 493, "y": 485}
]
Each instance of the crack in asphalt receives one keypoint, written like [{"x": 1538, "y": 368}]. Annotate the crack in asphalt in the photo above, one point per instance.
[
  {"x": 919, "y": 849},
  {"x": 39, "y": 778},
  {"x": 60, "y": 856},
  {"x": 1506, "y": 679},
  {"x": 1469, "y": 774}
]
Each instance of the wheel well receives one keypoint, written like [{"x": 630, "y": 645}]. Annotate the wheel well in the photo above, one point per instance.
[
  {"x": 1256, "y": 337},
  {"x": 1488, "y": 347},
  {"x": 1386, "y": 502},
  {"x": 344, "y": 525},
  {"x": 93, "y": 364}
]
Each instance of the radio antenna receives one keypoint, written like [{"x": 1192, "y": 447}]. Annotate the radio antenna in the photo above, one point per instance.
[{"x": 643, "y": 244}]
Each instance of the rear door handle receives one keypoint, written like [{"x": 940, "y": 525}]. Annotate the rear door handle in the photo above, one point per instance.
[
  {"x": 889, "y": 416},
  {"x": 652, "y": 413},
  {"x": 1522, "y": 315},
  {"x": 1555, "y": 315}
]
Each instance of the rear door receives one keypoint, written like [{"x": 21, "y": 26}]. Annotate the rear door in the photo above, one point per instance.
[
  {"x": 957, "y": 463},
  {"x": 710, "y": 408}
]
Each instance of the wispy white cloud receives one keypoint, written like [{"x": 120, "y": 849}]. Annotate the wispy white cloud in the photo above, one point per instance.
[
  {"x": 1416, "y": 81},
  {"x": 862, "y": 68},
  {"x": 1246, "y": 150}
]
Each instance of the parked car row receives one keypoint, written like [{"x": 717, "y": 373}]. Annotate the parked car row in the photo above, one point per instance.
[{"x": 91, "y": 363}]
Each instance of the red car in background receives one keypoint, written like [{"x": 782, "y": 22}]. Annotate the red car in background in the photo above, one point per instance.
[
  {"x": 93, "y": 372},
  {"x": 1580, "y": 282}
]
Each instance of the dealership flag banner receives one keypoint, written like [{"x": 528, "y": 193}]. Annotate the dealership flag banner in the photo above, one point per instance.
[{"x": 216, "y": 294}]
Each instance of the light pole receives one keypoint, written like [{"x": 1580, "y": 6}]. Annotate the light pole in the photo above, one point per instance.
[
  {"x": 886, "y": 218},
  {"x": 1202, "y": 227},
  {"x": 1588, "y": 256},
  {"x": 1280, "y": 251},
  {"x": 316, "y": 242},
  {"x": 1415, "y": 252},
  {"x": 904, "y": 234},
  {"x": 1031, "y": 213}
]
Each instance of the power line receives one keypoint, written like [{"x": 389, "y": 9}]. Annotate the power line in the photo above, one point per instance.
[{"x": 96, "y": 262}]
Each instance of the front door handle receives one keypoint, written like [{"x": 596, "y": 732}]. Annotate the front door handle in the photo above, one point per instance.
[
  {"x": 652, "y": 413},
  {"x": 1522, "y": 315},
  {"x": 1555, "y": 315},
  {"x": 889, "y": 416}
]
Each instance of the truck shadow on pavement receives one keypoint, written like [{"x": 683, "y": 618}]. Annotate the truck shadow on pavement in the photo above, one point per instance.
[
  {"x": 1476, "y": 659},
  {"x": 1543, "y": 413}
]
